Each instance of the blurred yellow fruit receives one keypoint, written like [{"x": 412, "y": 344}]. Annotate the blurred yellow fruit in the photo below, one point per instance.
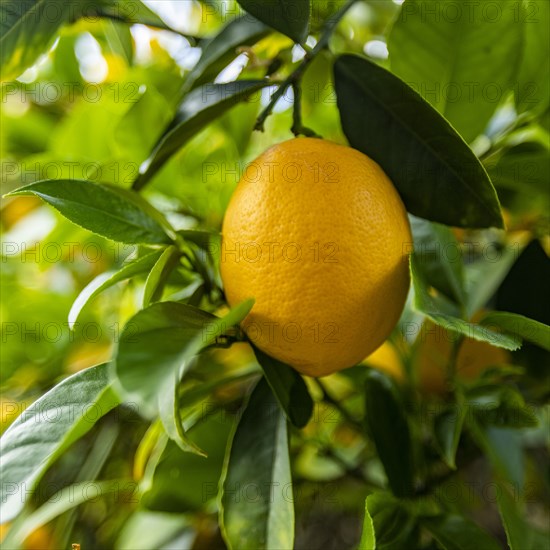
[
  {"x": 318, "y": 235},
  {"x": 433, "y": 350},
  {"x": 386, "y": 359},
  {"x": 40, "y": 539}
]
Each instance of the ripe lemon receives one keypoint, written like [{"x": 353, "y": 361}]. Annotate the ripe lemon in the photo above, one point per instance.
[
  {"x": 318, "y": 235},
  {"x": 433, "y": 350}
]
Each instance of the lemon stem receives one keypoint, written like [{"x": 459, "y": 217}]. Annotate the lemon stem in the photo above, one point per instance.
[{"x": 294, "y": 78}]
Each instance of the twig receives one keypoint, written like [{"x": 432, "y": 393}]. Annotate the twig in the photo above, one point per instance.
[
  {"x": 297, "y": 127},
  {"x": 296, "y": 75}
]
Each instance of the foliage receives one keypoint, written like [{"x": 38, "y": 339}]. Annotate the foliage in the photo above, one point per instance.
[{"x": 136, "y": 414}]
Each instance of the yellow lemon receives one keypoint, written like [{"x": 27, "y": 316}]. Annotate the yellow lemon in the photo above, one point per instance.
[{"x": 318, "y": 235}]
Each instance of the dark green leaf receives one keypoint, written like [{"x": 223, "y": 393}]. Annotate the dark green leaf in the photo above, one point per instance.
[
  {"x": 463, "y": 63},
  {"x": 518, "y": 533},
  {"x": 27, "y": 30},
  {"x": 99, "y": 209},
  {"x": 159, "y": 274},
  {"x": 45, "y": 431},
  {"x": 440, "y": 257},
  {"x": 130, "y": 12},
  {"x": 525, "y": 167},
  {"x": 218, "y": 51},
  {"x": 484, "y": 276},
  {"x": 453, "y": 532},
  {"x": 388, "y": 427},
  {"x": 429, "y": 306},
  {"x": 160, "y": 340},
  {"x": 107, "y": 280},
  {"x": 393, "y": 526},
  {"x": 501, "y": 406},
  {"x": 198, "y": 109},
  {"x": 437, "y": 175},
  {"x": 513, "y": 323},
  {"x": 502, "y": 446},
  {"x": 533, "y": 84},
  {"x": 257, "y": 510},
  {"x": 447, "y": 430},
  {"x": 289, "y": 389},
  {"x": 291, "y": 17}
]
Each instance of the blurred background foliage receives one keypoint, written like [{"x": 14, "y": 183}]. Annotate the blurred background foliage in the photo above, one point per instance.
[{"x": 92, "y": 108}]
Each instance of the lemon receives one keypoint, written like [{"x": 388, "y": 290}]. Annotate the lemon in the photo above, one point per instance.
[{"x": 318, "y": 235}]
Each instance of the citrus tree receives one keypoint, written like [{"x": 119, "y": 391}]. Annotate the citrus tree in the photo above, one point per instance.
[{"x": 358, "y": 357}]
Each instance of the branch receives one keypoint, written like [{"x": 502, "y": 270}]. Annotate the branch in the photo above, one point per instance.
[{"x": 294, "y": 78}]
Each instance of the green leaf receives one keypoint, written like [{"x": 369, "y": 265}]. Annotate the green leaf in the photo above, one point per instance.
[
  {"x": 447, "y": 430},
  {"x": 99, "y": 209},
  {"x": 291, "y": 17},
  {"x": 388, "y": 427},
  {"x": 170, "y": 417},
  {"x": 120, "y": 41},
  {"x": 431, "y": 308},
  {"x": 524, "y": 167},
  {"x": 135, "y": 12},
  {"x": 533, "y": 81},
  {"x": 394, "y": 527},
  {"x": 257, "y": 510},
  {"x": 368, "y": 539},
  {"x": 28, "y": 29},
  {"x": 198, "y": 109},
  {"x": 159, "y": 274},
  {"x": 145, "y": 530},
  {"x": 501, "y": 406},
  {"x": 46, "y": 429},
  {"x": 437, "y": 175},
  {"x": 484, "y": 276},
  {"x": 502, "y": 446},
  {"x": 440, "y": 258},
  {"x": 107, "y": 280},
  {"x": 513, "y": 323},
  {"x": 158, "y": 341},
  {"x": 288, "y": 387},
  {"x": 453, "y": 532},
  {"x": 151, "y": 111},
  {"x": 517, "y": 531},
  {"x": 219, "y": 50},
  {"x": 461, "y": 62}
]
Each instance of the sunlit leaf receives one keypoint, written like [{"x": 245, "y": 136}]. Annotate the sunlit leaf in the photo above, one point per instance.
[
  {"x": 463, "y": 63},
  {"x": 46, "y": 429},
  {"x": 158, "y": 341},
  {"x": 107, "y": 280},
  {"x": 99, "y": 209}
]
